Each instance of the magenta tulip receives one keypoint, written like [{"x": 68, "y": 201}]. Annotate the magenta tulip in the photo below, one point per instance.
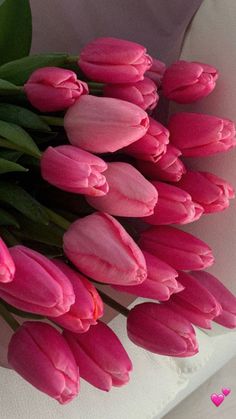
[
  {"x": 158, "y": 329},
  {"x": 156, "y": 72},
  {"x": 112, "y": 60},
  {"x": 7, "y": 266},
  {"x": 101, "y": 358}
]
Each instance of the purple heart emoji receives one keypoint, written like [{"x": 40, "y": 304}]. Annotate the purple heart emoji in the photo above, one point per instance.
[
  {"x": 217, "y": 399},
  {"x": 226, "y": 391}
]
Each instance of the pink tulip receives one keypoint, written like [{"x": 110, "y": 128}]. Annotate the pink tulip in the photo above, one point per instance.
[
  {"x": 102, "y": 359},
  {"x": 160, "y": 284},
  {"x": 152, "y": 147},
  {"x": 143, "y": 93},
  {"x": 179, "y": 249},
  {"x": 7, "y": 266},
  {"x": 52, "y": 89},
  {"x": 174, "y": 206},
  {"x": 129, "y": 195},
  {"x": 198, "y": 134},
  {"x": 187, "y": 82},
  {"x": 74, "y": 170},
  {"x": 88, "y": 306},
  {"x": 195, "y": 302},
  {"x": 158, "y": 329},
  {"x": 112, "y": 60},
  {"x": 156, "y": 71},
  {"x": 38, "y": 286},
  {"x": 224, "y": 297},
  {"x": 102, "y": 124},
  {"x": 169, "y": 168},
  {"x": 40, "y": 354},
  {"x": 210, "y": 191},
  {"x": 101, "y": 248}
]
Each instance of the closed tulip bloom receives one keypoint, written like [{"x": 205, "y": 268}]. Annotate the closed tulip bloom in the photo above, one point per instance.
[
  {"x": 156, "y": 72},
  {"x": 143, "y": 93},
  {"x": 181, "y": 250},
  {"x": 101, "y": 248},
  {"x": 39, "y": 286},
  {"x": 74, "y": 170},
  {"x": 161, "y": 281},
  {"x": 102, "y": 124},
  {"x": 101, "y": 358},
  {"x": 112, "y": 60},
  {"x": 51, "y": 89},
  {"x": 210, "y": 191},
  {"x": 152, "y": 147},
  {"x": 129, "y": 195},
  {"x": 198, "y": 134},
  {"x": 41, "y": 355},
  {"x": 88, "y": 305},
  {"x": 158, "y": 329},
  {"x": 223, "y": 295},
  {"x": 187, "y": 82},
  {"x": 7, "y": 266}
]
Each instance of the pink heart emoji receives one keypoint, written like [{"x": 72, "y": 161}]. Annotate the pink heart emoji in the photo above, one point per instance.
[
  {"x": 226, "y": 391},
  {"x": 217, "y": 399}
]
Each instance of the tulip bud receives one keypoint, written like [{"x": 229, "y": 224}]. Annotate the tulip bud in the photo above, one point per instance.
[
  {"x": 101, "y": 358},
  {"x": 7, "y": 266},
  {"x": 51, "y": 89},
  {"x": 40, "y": 354},
  {"x": 156, "y": 71},
  {"x": 158, "y": 329},
  {"x": 198, "y": 134}
]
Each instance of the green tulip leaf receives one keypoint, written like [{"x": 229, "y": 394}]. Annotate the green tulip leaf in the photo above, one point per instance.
[
  {"x": 18, "y": 138},
  {"x": 23, "y": 117},
  {"x": 7, "y": 219},
  {"x": 9, "y": 166}
]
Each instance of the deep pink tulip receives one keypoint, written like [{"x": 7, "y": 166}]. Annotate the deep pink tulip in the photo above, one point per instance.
[
  {"x": 161, "y": 281},
  {"x": 143, "y": 93},
  {"x": 158, "y": 329},
  {"x": 88, "y": 305},
  {"x": 153, "y": 145},
  {"x": 74, "y": 170},
  {"x": 174, "y": 206},
  {"x": 41, "y": 355},
  {"x": 38, "y": 286},
  {"x": 112, "y": 60},
  {"x": 7, "y": 266},
  {"x": 198, "y": 134},
  {"x": 179, "y": 249},
  {"x": 129, "y": 195},
  {"x": 210, "y": 191},
  {"x": 223, "y": 295},
  {"x": 187, "y": 82},
  {"x": 101, "y": 248},
  {"x": 102, "y": 124},
  {"x": 195, "y": 302},
  {"x": 101, "y": 358},
  {"x": 156, "y": 71},
  {"x": 169, "y": 168},
  {"x": 51, "y": 89}
]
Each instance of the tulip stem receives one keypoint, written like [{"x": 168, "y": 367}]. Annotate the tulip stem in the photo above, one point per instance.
[
  {"x": 53, "y": 120},
  {"x": 13, "y": 323},
  {"x": 72, "y": 59},
  {"x": 114, "y": 304},
  {"x": 94, "y": 85},
  {"x": 58, "y": 219}
]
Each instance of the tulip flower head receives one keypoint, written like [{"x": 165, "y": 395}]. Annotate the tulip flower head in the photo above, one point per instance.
[{"x": 7, "y": 266}]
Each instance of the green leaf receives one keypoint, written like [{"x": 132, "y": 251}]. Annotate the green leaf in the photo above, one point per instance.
[
  {"x": 10, "y": 155},
  {"x": 21, "y": 200},
  {"x": 47, "y": 234},
  {"x": 9, "y": 166},
  {"x": 6, "y": 86},
  {"x": 22, "y": 116},
  {"x": 18, "y": 137},
  {"x": 15, "y": 29},
  {"x": 7, "y": 219}
]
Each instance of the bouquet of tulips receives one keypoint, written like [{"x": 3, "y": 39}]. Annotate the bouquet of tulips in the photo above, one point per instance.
[{"x": 79, "y": 147}]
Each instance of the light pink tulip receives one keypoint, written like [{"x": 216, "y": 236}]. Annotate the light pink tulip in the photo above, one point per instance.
[
  {"x": 74, "y": 170},
  {"x": 156, "y": 71},
  {"x": 158, "y": 329},
  {"x": 101, "y": 358},
  {"x": 210, "y": 191},
  {"x": 51, "y": 89},
  {"x": 129, "y": 195},
  {"x": 112, "y": 60},
  {"x": 181, "y": 250},
  {"x": 152, "y": 147},
  {"x": 102, "y": 124},
  {"x": 7, "y": 266},
  {"x": 38, "y": 286},
  {"x": 40, "y": 354},
  {"x": 198, "y": 134},
  {"x": 187, "y": 82},
  {"x": 101, "y": 248},
  {"x": 143, "y": 93},
  {"x": 225, "y": 298}
]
